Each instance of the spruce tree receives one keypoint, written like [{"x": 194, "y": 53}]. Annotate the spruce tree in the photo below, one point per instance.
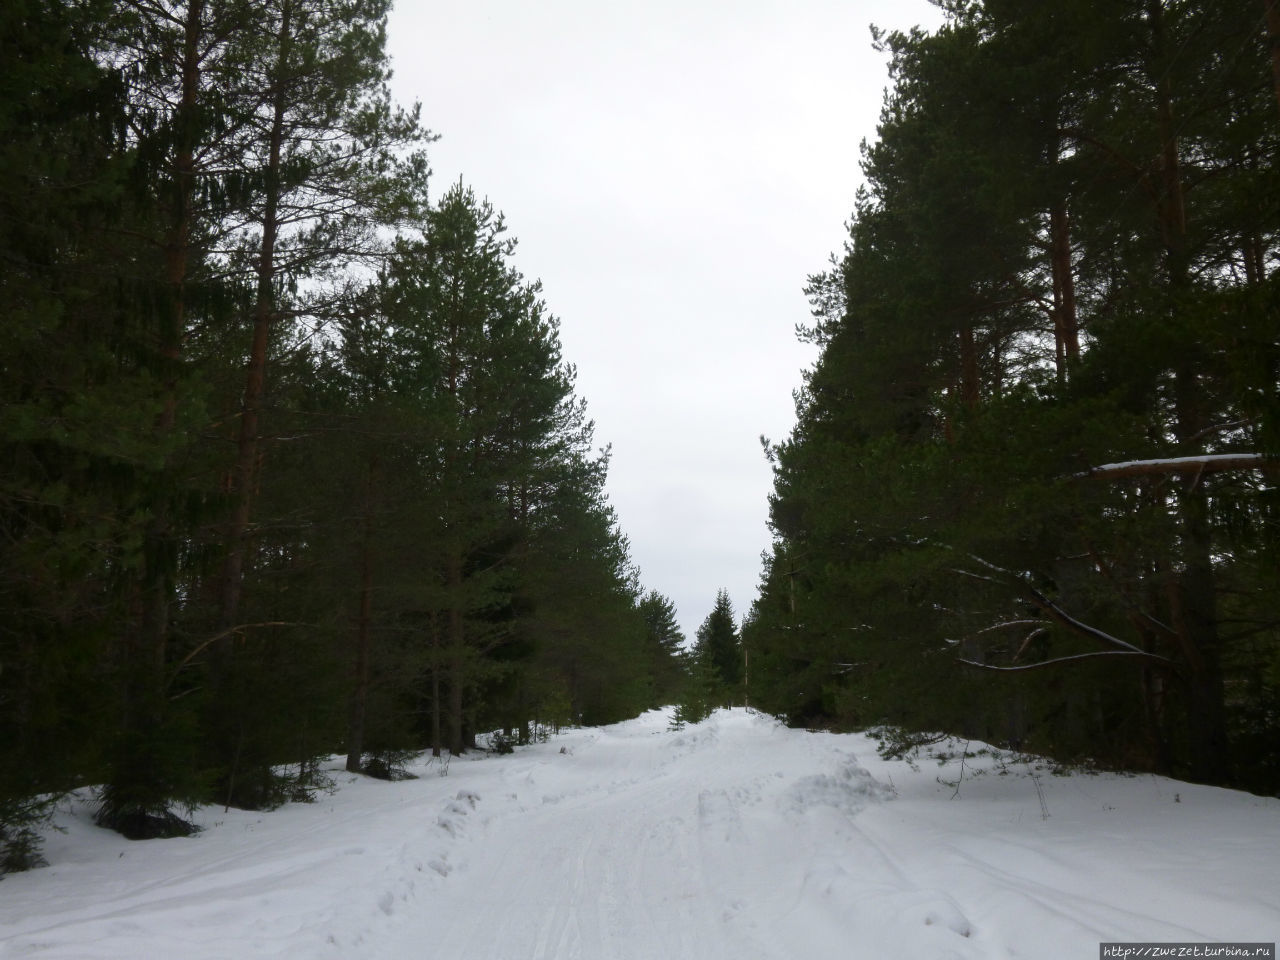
[
  {"x": 665, "y": 643},
  {"x": 72, "y": 453},
  {"x": 719, "y": 648}
]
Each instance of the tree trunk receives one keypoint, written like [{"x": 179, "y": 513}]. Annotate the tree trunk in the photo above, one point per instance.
[
  {"x": 1065, "y": 324},
  {"x": 436, "y": 742},
  {"x": 456, "y": 639},
  {"x": 969, "y": 380},
  {"x": 242, "y": 477},
  {"x": 1194, "y": 599},
  {"x": 160, "y": 550},
  {"x": 1272, "y": 8},
  {"x": 138, "y": 772},
  {"x": 455, "y": 707},
  {"x": 359, "y": 701},
  {"x": 1254, "y": 255}
]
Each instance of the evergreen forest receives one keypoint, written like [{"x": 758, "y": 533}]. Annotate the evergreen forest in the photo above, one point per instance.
[
  {"x": 1030, "y": 497},
  {"x": 292, "y": 462}
]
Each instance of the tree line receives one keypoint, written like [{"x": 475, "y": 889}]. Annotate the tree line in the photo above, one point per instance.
[
  {"x": 292, "y": 461},
  {"x": 1031, "y": 493}
]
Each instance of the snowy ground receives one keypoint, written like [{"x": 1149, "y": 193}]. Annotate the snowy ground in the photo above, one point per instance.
[{"x": 735, "y": 838}]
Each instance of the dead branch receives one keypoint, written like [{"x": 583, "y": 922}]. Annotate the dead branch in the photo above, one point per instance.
[
  {"x": 1027, "y": 642},
  {"x": 1010, "y": 623},
  {"x": 1056, "y": 612},
  {"x": 238, "y": 628},
  {"x": 1057, "y": 660}
]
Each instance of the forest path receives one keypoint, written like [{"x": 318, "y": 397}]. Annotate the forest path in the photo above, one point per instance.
[{"x": 734, "y": 838}]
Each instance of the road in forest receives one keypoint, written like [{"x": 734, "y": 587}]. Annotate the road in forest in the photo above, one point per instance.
[{"x": 734, "y": 838}]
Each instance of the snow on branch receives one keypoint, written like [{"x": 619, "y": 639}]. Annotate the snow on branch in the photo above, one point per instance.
[
  {"x": 1057, "y": 660},
  {"x": 1005, "y": 625},
  {"x": 976, "y": 576},
  {"x": 1205, "y": 463}
]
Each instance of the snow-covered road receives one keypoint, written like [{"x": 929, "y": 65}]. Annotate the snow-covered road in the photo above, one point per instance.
[{"x": 735, "y": 838}]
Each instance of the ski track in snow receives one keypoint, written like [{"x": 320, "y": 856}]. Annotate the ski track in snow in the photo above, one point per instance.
[{"x": 735, "y": 838}]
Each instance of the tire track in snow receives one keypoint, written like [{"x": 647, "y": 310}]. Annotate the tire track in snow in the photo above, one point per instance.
[
  {"x": 732, "y": 839},
  {"x": 618, "y": 866}
]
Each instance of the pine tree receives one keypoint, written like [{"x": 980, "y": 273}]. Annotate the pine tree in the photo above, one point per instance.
[
  {"x": 215, "y": 234},
  {"x": 323, "y": 175},
  {"x": 1048, "y": 272},
  {"x": 498, "y": 391},
  {"x": 185, "y": 119}
]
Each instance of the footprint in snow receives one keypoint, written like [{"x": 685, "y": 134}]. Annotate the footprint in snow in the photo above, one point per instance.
[
  {"x": 457, "y": 809},
  {"x": 440, "y": 867},
  {"x": 718, "y": 814}
]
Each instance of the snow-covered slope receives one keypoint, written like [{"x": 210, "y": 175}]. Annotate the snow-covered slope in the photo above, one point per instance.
[{"x": 735, "y": 838}]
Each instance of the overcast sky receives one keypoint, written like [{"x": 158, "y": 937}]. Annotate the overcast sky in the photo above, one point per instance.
[{"x": 673, "y": 170}]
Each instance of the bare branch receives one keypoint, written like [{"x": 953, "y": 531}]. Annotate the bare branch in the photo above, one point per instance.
[
  {"x": 222, "y": 636},
  {"x": 1064, "y": 618},
  {"x": 977, "y": 576},
  {"x": 1040, "y": 632},
  {"x": 1219, "y": 428},
  {"x": 1010, "y": 623},
  {"x": 1072, "y": 658},
  {"x": 1056, "y": 612}
]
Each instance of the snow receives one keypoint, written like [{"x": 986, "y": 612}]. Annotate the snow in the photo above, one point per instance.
[
  {"x": 1204, "y": 461},
  {"x": 1181, "y": 461},
  {"x": 734, "y": 838}
]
